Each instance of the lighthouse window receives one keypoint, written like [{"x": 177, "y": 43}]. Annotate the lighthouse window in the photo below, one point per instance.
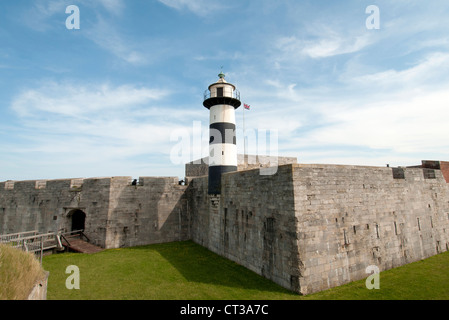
[{"x": 219, "y": 92}]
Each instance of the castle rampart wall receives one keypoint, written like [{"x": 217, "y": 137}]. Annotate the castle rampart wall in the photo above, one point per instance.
[
  {"x": 314, "y": 227},
  {"x": 200, "y": 167},
  {"x": 351, "y": 217},
  {"x": 153, "y": 211},
  {"x": 306, "y": 227},
  {"x": 251, "y": 222},
  {"x": 45, "y": 205},
  {"x": 118, "y": 214}
]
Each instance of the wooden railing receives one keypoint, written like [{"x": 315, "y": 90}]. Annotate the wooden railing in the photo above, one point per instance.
[
  {"x": 30, "y": 241},
  {"x": 72, "y": 235},
  {"x": 5, "y": 238}
]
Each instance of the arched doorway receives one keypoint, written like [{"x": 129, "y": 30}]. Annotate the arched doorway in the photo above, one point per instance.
[{"x": 78, "y": 218}]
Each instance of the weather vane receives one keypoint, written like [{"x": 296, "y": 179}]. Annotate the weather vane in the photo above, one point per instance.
[{"x": 221, "y": 75}]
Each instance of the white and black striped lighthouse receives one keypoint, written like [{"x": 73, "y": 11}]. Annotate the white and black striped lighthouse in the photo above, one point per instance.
[{"x": 221, "y": 99}]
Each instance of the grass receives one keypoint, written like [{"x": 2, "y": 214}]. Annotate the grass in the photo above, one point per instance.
[
  {"x": 422, "y": 280},
  {"x": 19, "y": 272},
  {"x": 187, "y": 271},
  {"x": 181, "y": 271}
]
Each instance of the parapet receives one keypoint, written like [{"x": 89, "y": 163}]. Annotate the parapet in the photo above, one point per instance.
[
  {"x": 437, "y": 165},
  {"x": 200, "y": 167},
  {"x": 148, "y": 181},
  {"x": 34, "y": 184},
  {"x": 76, "y": 184},
  {"x": 429, "y": 167},
  {"x": 428, "y": 171}
]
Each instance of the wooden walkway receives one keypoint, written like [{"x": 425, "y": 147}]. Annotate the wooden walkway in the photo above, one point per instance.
[
  {"x": 74, "y": 241},
  {"x": 82, "y": 246},
  {"x": 38, "y": 243}
]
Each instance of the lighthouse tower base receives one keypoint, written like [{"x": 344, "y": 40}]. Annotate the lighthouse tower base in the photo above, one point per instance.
[{"x": 215, "y": 177}]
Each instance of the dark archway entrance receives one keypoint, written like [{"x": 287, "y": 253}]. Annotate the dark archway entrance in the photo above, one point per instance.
[{"x": 78, "y": 220}]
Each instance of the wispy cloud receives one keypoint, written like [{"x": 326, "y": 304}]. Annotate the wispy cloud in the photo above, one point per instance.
[
  {"x": 40, "y": 12},
  {"x": 115, "y": 7},
  {"x": 38, "y": 15},
  {"x": 332, "y": 88},
  {"x": 102, "y": 32},
  {"x": 93, "y": 129},
  {"x": 392, "y": 114},
  {"x": 429, "y": 71},
  {"x": 198, "y": 7},
  {"x": 79, "y": 100},
  {"x": 406, "y": 124},
  {"x": 92, "y": 117},
  {"x": 406, "y": 109},
  {"x": 105, "y": 35},
  {"x": 327, "y": 43},
  {"x": 334, "y": 46}
]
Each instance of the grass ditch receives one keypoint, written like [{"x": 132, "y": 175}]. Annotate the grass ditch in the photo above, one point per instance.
[{"x": 187, "y": 271}]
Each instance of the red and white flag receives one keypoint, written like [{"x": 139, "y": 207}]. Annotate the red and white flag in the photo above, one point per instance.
[{"x": 247, "y": 106}]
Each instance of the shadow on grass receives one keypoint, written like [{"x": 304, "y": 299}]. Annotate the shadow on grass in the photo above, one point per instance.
[{"x": 198, "y": 264}]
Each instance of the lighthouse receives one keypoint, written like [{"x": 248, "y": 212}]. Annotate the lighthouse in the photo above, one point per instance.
[{"x": 221, "y": 98}]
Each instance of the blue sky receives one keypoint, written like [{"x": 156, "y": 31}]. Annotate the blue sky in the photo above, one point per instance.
[{"x": 109, "y": 98}]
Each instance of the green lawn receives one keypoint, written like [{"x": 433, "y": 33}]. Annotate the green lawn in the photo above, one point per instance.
[{"x": 187, "y": 271}]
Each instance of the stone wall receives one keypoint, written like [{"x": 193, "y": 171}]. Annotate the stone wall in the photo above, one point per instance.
[
  {"x": 200, "y": 167},
  {"x": 118, "y": 214},
  {"x": 45, "y": 206},
  {"x": 443, "y": 166},
  {"x": 39, "y": 290},
  {"x": 153, "y": 211},
  {"x": 251, "y": 222},
  {"x": 314, "y": 227},
  {"x": 351, "y": 217},
  {"x": 306, "y": 227}
]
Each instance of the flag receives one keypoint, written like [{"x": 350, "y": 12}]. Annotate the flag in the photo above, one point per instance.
[{"x": 247, "y": 106}]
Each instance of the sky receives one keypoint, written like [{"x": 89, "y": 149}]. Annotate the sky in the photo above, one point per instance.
[{"x": 331, "y": 82}]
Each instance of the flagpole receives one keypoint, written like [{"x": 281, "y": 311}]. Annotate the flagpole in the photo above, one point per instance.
[{"x": 244, "y": 139}]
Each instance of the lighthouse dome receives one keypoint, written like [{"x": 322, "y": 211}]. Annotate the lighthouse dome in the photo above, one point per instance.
[{"x": 221, "y": 92}]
